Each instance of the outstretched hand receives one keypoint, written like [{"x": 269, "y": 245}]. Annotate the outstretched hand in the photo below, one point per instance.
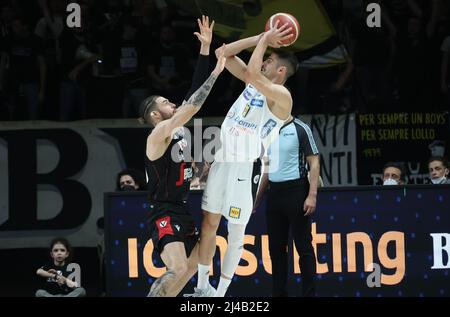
[
  {"x": 221, "y": 59},
  {"x": 276, "y": 35},
  {"x": 206, "y": 30}
]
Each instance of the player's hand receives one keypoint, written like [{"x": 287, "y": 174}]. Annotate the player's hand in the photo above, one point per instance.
[
  {"x": 309, "y": 206},
  {"x": 206, "y": 31},
  {"x": 276, "y": 35},
  {"x": 221, "y": 59}
]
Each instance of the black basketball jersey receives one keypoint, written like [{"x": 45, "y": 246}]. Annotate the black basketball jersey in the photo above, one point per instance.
[{"x": 169, "y": 177}]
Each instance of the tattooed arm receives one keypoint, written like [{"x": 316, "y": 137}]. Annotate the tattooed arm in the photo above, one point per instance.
[{"x": 190, "y": 107}]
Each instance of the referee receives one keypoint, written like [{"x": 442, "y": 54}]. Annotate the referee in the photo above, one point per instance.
[{"x": 290, "y": 203}]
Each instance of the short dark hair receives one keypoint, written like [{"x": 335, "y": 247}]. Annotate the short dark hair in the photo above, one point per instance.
[
  {"x": 136, "y": 175},
  {"x": 398, "y": 165},
  {"x": 289, "y": 60},
  {"x": 440, "y": 159},
  {"x": 65, "y": 243},
  {"x": 147, "y": 105}
]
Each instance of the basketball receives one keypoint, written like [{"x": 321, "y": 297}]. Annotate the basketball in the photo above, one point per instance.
[{"x": 285, "y": 18}]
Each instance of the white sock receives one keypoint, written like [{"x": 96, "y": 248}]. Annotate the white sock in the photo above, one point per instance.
[
  {"x": 222, "y": 288},
  {"x": 203, "y": 276}
]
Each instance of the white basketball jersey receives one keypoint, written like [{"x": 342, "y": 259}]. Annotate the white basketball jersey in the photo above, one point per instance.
[{"x": 248, "y": 128}]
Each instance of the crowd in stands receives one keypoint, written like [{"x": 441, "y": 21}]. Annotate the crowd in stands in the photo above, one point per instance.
[{"x": 126, "y": 50}]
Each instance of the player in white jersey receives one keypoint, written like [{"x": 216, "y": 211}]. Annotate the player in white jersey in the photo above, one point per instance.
[{"x": 251, "y": 124}]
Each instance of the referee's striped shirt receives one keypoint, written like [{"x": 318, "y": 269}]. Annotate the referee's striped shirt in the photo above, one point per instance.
[{"x": 287, "y": 156}]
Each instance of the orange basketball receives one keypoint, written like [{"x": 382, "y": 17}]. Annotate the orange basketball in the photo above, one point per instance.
[{"x": 285, "y": 18}]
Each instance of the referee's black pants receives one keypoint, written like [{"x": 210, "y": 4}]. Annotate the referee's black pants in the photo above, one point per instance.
[{"x": 285, "y": 210}]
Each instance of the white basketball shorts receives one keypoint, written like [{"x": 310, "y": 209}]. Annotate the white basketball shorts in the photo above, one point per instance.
[{"x": 231, "y": 190}]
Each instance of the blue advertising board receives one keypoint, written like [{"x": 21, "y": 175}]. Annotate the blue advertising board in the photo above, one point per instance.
[{"x": 369, "y": 241}]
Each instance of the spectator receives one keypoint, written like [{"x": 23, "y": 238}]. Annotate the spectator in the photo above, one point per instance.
[
  {"x": 57, "y": 283},
  {"x": 131, "y": 179},
  {"x": 7, "y": 15},
  {"x": 373, "y": 52},
  {"x": 51, "y": 25},
  {"x": 412, "y": 64},
  {"x": 131, "y": 68},
  {"x": 26, "y": 70},
  {"x": 438, "y": 168},
  {"x": 168, "y": 65},
  {"x": 79, "y": 54},
  {"x": 445, "y": 79},
  {"x": 148, "y": 19},
  {"x": 394, "y": 173},
  {"x": 49, "y": 29},
  {"x": 127, "y": 180},
  {"x": 107, "y": 86}
]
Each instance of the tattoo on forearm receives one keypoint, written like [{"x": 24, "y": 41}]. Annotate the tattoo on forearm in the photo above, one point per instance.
[
  {"x": 161, "y": 286},
  {"x": 199, "y": 96}
]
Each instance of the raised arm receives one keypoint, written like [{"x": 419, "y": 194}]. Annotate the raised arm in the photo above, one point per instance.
[
  {"x": 189, "y": 108},
  {"x": 201, "y": 72},
  {"x": 234, "y": 64},
  {"x": 205, "y": 35},
  {"x": 277, "y": 95}
]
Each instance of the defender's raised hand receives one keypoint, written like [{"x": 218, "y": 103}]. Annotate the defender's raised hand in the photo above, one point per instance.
[{"x": 206, "y": 31}]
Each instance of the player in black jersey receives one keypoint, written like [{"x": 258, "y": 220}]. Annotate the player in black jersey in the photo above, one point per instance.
[{"x": 172, "y": 227}]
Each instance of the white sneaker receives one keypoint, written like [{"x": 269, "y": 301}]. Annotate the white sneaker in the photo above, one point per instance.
[{"x": 198, "y": 292}]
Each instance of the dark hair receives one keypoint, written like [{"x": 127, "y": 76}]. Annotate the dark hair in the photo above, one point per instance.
[
  {"x": 289, "y": 60},
  {"x": 65, "y": 243},
  {"x": 136, "y": 175},
  {"x": 398, "y": 165},
  {"x": 148, "y": 105},
  {"x": 440, "y": 159}
]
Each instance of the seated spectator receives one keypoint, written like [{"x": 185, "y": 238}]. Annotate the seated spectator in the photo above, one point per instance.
[
  {"x": 127, "y": 180},
  {"x": 394, "y": 173},
  {"x": 131, "y": 179},
  {"x": 439, "y": 170},
  {"x": 57, "y": 283}
]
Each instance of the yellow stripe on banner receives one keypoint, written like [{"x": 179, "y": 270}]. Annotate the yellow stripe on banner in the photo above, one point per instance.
[{"x": 234, "y": 22}]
